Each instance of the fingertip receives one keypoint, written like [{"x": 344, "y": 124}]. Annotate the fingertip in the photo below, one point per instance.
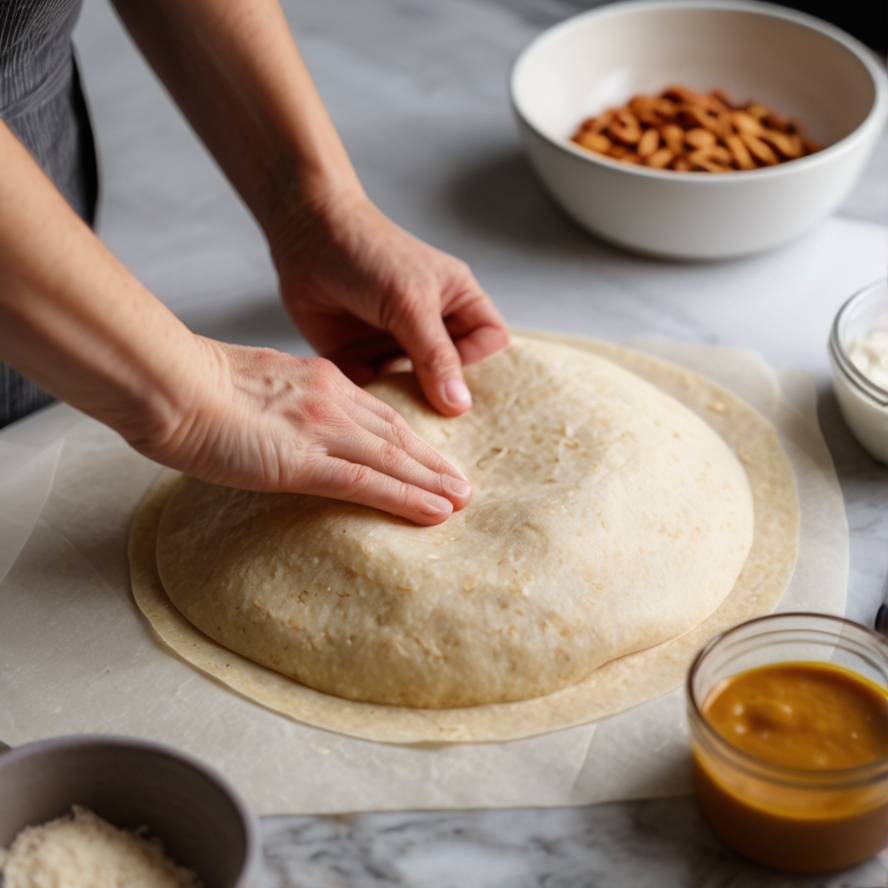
[
  {"x": 456, "y": 396},
  {"x": 433, "y": 509},
  {"x": 457, "y": 490}
]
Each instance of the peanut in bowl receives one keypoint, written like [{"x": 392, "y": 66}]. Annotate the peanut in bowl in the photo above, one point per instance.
[{"x": 795, "y": 65}]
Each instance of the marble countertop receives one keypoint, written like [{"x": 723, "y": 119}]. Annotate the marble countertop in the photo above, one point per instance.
[{"x": 418, "y": 92}]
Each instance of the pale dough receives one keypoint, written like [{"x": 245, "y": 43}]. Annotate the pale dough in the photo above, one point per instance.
[{"x": 620, "y": 683}]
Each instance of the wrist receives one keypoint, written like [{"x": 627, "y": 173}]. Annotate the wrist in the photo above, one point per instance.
[
  {"x": 310, "y": 213},
  {"x": 162, "y": 416}
]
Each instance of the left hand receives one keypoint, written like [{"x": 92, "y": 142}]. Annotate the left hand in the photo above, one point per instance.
[{"x": 365, "y": 293}]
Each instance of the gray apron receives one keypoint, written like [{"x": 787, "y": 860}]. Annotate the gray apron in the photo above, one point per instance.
[{"x": 42, "y": 103}]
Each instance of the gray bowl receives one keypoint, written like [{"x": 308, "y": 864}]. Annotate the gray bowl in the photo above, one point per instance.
[{"x": 194, "y": 811}]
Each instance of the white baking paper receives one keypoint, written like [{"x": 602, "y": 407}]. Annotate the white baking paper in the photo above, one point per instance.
[{"x": 77, "y": 656}]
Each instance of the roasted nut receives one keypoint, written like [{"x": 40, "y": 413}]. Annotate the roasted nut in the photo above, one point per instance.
[
  {"x": 625, "y": 128},
  {"x": 602, "y": 122},
  {"x": 597, "y": 142},
  {"x": 700, "y": 138},
  {"x": 746, "y": 123},
  {"x": 642, "y": 105},
  {"x": 673, "y": 136},
  {"x": 740, "y": 153},
  {"x": 777, "y": 122},
  {"x": 619, "y": 151},
  {"x": 703, "y": 159},
  {"x": 685, "y": 130},
  {"x": 759, "y": 149},
  {"x": 651, "y": 118},
  {"x": 686, "y": 96},
  {"x": 660, "y": 159},
  {"x": 691, "y": 116},
  {"x": 648, "y": 143},
  {"x": 665, "y": 108},
  {"x": 790, "y": 146}
]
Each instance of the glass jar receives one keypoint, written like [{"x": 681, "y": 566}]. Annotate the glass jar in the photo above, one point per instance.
[
  {"x": 863, "y": 403},
  {"x": 791, "y": 819}
]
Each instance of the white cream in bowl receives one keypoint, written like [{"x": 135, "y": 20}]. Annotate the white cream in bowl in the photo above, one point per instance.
[{"x": 858, "y": 353}]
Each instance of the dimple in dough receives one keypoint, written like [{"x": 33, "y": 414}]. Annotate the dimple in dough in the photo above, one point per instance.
[{"x": 607, "y": 518}]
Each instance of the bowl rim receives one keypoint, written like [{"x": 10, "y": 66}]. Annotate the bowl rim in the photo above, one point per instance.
[
  {"x": 9, "y": 755},
  {"x": 875, "y": 118},
  {"x": 842, "y": 363},
  {"x": 797, "y": 778}
]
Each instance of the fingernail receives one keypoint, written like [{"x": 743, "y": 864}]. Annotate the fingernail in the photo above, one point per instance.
[
  {"x": 436, "y": 505},
  {"x": 457, "y": 487},
  {"x": 456, "y": 393}
]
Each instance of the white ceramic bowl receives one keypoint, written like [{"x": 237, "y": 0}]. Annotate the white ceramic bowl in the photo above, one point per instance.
[
  {"x": 797, "y": 65},
  {"x": 863, "y": 403}
]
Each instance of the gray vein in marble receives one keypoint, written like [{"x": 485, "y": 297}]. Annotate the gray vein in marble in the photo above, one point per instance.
[{"x": 655, "y": 844}]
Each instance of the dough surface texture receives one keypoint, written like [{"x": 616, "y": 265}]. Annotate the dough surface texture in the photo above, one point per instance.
[{"x": 607, "y": 518}]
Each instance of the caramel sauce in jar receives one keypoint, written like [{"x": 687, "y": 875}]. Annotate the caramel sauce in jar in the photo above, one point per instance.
[{"x": 791, "y": 757}]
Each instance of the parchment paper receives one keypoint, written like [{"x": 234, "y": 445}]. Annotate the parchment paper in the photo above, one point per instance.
[{"x": 75, "y": 656}]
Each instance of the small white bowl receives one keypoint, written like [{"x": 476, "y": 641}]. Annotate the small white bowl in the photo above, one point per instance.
[
  {"x": 799, "y": 66},
  {"x": 863, "y": 403}
]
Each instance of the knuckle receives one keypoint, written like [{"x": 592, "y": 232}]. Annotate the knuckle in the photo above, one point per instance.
[
  {"x": 388, "y": 414},
  {"x": 357, "y": 479},
  {"x": 390, "y": 456},
  {"x": 463, "y": 269},
  {"x": 402, "y": 432},
  {"x": 324, "y": 374},
  {"x": 440, "y": 357},
  {"x": 404, "y": 302},
  {"x": 317, "y": 409},
  {"x": 408, "y": 499}
]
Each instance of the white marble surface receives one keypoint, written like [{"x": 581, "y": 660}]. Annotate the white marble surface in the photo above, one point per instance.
[{"x": 418, "y": 91}]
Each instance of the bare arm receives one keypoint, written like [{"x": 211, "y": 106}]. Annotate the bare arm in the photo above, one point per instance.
[
  {"x": 77, "y": 322},
  {"x": 233, "y": 68},
  {"x": 362, "y": 290}
]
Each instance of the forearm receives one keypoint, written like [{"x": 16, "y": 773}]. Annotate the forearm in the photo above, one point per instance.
[
  {"x": 72, "y": 318},
  {"x": 361, "y": 289},
  {"x": 234, "y": 69}
]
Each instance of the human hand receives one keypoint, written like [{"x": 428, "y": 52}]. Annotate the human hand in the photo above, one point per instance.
[
  {"x": 365, "y": 293},
  {"x": 259, "y": 419}
]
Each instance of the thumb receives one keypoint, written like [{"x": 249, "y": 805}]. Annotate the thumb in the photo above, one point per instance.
[{"x": 436, "y": 361}]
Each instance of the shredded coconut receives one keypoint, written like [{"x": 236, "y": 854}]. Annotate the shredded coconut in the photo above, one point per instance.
[{"x": 81, "y": 850}]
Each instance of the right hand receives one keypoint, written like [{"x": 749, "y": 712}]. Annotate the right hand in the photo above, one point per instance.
[
  {"x": 364, "y": 292},
  {"x": 259, "y": 419}
]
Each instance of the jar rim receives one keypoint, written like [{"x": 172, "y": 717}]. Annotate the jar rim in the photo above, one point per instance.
[
  {"x": 843, "y": 363},
  {"x": 798, "y": 778}
]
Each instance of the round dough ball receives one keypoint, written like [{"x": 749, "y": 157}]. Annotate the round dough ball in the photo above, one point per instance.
[{"x": 606, "y": 518}]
